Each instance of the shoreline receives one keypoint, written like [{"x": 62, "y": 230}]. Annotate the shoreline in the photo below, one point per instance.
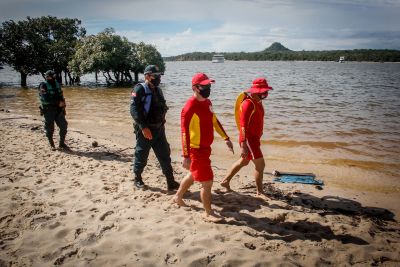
[{"x": 81, "y": 208}]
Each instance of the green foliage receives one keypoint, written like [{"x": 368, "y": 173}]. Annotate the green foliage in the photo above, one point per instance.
[
  {"x": 278, "y": 52},
  {"x": 109, "y": 53},
  {"x": 17, "y": 50},
  {"x": 148, "y": 55},
  {"x": 35, "y": 45}
]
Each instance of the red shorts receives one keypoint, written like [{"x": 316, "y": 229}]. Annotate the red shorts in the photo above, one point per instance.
[
  {"x": 200, "y": 166},
  {"x": 254, "y": 149}
]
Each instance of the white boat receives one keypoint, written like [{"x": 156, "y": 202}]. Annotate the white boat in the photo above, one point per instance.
[
  {"x": 218, "y": 58},
  {"x": 341, "y": 59}
]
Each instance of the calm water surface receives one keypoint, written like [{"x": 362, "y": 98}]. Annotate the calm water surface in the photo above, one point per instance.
[{"x": 319, "y": 112}]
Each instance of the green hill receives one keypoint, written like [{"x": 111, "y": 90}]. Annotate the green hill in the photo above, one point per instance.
[{"x": 276, "y": 47}]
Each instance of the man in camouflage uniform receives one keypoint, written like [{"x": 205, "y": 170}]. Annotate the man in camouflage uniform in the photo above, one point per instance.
[{"x": 52, "y": 107}]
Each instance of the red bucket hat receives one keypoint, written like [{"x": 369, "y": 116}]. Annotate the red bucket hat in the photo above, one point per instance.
[
  {"x": 259, "y": 86},
  {"x": 202, "y": 79}
]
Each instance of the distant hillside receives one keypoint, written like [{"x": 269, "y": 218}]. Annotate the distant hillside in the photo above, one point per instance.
[
  {"x": 279, "y": 52},
  {"x": 277, "y": 47}
]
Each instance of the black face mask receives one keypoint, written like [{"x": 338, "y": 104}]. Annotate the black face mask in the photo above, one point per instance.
[
  {"x": 205, "y": 91},
  {"x": 156, "y": 81},
  {"x": 51, "y": 81},
  {"x": 263, "y": 96}
]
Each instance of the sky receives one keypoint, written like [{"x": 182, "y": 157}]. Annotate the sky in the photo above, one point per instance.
[{"x": 178, "y": 26}]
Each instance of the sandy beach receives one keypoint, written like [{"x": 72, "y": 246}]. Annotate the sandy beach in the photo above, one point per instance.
[{"x": 80, "y": 208}]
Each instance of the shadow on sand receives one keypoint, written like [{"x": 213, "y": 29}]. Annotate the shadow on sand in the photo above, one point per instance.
[
  {"x": 101, "y": 155},
  {"x": 233, "y": 204}
]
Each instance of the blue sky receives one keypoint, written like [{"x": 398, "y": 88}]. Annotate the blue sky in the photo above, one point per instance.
[{"x": 177, "y": 26}]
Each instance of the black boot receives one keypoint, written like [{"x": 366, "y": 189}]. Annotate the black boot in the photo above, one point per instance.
[
  {"x": 51, "y": 143},
  {"x": 138, "y": 181},
  {"x": 62, "y": 144},
  {"x": 171, "y": 183}
]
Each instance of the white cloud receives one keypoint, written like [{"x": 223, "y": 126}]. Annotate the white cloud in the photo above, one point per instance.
[
  {"x": 188, "y": 32},
  {"x": 131, "y": 35},
  {"x": 231, "y": 25}
]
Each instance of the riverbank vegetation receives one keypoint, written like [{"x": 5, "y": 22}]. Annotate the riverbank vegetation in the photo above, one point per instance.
[
  {"x": 35, "y": 45},
  {"x": 278, "y": 52}
]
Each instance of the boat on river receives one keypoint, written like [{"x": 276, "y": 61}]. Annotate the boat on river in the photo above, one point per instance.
[{"x": 218, "y": 58}]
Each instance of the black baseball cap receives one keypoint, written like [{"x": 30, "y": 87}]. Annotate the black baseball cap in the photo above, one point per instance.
[
  {"x": 152, "y": 69},
  {"x": 49, "y": 73}
]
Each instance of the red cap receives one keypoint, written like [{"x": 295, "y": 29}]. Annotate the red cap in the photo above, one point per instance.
[
  {"x": 260, "y": 85},
  {"x": 202, "y": 79}
]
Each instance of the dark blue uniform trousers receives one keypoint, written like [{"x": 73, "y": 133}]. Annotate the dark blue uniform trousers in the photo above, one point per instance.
[
  {"x": 161, "y": 149},
  {"x": 55, "y": 115}
]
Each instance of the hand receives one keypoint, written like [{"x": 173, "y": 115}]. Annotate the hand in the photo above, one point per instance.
[
  {"x": 230, "y": 145},
  {"x": 62, "y": 104},
  {"x": 147, "y": 133},
  {"x": 245, "y": 150},
  {"x": 186, "y": 163}
]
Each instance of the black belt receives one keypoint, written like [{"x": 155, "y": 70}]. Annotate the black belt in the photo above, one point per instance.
[{"x": 155, "y": 125}]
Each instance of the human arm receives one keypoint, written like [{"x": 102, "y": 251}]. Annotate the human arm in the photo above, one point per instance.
[
  {"x": 62, "y": 103},
  {"x": 220, "y": 130},
  {"x": 42, "y": 92},
  {"x": 137, "y": 106},
  {"x": 247, "y": 109},
  {"x": 186, "y": 163},
  {"x": 186, "y": 116}
]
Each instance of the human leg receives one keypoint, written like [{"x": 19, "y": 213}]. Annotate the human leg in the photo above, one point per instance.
[
  {"x": 162, "y": 151},
  {"x": 63, "y": 126},
  {"x": 186, "y": 183},
  {"x": 142, "y": 150},
  {"x": 49, "y": 117},
  {"x": 205, "y": 194},
  {"x": 240, "y": 163},
  {"x": 258, "y": 174}
]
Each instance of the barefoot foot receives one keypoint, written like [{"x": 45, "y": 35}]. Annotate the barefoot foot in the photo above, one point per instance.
[
  {"x": 262, "y": 196},
  {"x": 226, "y": 185},
  {"x": 213, "y": 217},
  {"x": 179, "y": 201}
]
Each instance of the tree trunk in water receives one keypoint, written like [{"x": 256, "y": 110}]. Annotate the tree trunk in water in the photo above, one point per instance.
[
  {"x": 59, "y": 77},
  {"x": 23, "y": 79},
  {"x": 71, "y": 81},
  {"x": 127, "y": 74},
  {"x": 96, "y": 76},
  {"x": 136, "y": 76}
]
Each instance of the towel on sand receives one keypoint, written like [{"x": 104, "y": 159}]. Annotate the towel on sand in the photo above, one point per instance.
[{"x": 302, "y": 179}]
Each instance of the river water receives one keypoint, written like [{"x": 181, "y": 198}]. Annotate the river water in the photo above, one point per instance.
[{"x": 319, "y": 113}]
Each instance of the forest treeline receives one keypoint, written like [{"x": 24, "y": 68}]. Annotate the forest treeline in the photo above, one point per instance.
[
  {"x": 35, "y": 45},
  {"x": 278, "y": 52}
]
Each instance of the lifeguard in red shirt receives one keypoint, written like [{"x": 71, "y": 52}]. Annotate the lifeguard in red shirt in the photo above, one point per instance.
[
  {"x": 198, "y": 122},
  {"x": 251, "y": 120}
]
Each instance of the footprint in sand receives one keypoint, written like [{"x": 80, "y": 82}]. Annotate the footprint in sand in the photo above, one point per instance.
[
  {"x": 78, "y": 231},
  {"x": 171, "y": 258},
  {"x": 105, "y": 215}
]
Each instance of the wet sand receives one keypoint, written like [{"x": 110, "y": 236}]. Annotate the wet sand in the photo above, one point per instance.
[{"x": 80, "y": 208}]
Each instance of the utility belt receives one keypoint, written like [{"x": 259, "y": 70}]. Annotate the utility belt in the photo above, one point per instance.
[
  {"x": 152, "y": 126},
  {"x": 155, "y": 125},
  {"x": 48, "y": 108}
]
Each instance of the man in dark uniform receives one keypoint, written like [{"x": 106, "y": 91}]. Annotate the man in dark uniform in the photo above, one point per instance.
[
  {"x": 53, "y": 109},
  {"x": 148, "y": 109}
]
